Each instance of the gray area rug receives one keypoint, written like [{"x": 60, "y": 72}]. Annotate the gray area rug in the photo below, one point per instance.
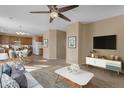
[{"x": 46, "y": 77}]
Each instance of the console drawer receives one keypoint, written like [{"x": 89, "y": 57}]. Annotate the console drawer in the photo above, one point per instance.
[{"x": 114, "y": 68}]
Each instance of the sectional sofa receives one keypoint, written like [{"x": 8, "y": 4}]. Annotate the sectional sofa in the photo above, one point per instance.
[{"x": 31, "y": 81}]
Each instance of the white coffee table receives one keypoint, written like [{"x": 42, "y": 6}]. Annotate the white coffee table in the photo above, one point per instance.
[{"x": 81, "y": 77}]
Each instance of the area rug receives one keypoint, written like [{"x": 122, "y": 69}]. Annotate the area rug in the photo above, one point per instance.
[{"x": 46, "y": 77}]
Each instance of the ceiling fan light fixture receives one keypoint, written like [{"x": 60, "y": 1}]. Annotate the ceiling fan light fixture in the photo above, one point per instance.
[{"x": 53, "y": 14}]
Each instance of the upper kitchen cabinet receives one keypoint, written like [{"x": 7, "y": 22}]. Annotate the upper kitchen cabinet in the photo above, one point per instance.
[
  {"x": 4, "y": 39},
  {"x": 26, "y": 40}
]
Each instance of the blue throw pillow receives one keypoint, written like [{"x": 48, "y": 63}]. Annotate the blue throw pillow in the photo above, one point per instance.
[{"x": 7, "y": 69}]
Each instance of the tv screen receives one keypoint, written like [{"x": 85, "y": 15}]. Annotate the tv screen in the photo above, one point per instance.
[{"x": 104, "y": 42}]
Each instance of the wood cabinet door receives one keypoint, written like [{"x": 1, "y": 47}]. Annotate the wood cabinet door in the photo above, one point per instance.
[
  {"x": 12, "y": 39},
  {"x": 0, "y": 40},
  {"x": 4, "y": 39},
  {"x": 26, "y": 41}
]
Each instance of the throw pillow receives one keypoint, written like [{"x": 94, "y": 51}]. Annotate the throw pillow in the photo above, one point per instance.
[
  {"x": 19, "y": 77},
  {"x": 8, "y": 82},
  {"x": 20, "y": 67},
  {"x": 7, "y": 69}
]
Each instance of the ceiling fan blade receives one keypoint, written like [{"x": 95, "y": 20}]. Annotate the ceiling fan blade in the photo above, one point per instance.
[
  {"x": 54, "y": 6},
  {"x": 51, "y": 19},
  {"x": 66, "y": 8},
  {"x": 50, "y": 7},
  {"x": 39, "y": 12},
  {"x": 64, "y": 17}
]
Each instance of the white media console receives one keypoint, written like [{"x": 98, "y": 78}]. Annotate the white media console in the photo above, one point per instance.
[{"x": 105, "y": 63}]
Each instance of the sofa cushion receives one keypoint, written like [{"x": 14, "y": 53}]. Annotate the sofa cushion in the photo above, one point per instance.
[
  {"x": 6, "y": 69},
  {"x": 8, "y": 82},
  {"x": 32, "y": 82},
  {"x": 37, "y": 86},
  {"x": 0, "y": 74},
  {"x": 19, "y": 77},
  {"x": 1, "y": 71}
]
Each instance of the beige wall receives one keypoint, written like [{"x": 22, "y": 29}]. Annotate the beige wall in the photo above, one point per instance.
[
  {"x": 84, "y": 42},
  {"x": 46, "y": 49},
  {"x": 85, "y": 33},
  {"x": 72, "y": 53},
  {"x": 52, "y": 44},
  {"x": 112, "y": 26},
  {"x": 61, "y": 44},
  {"x": 50, "y": 51},
  {"x": 56, "y": 44},
  {"x": 77, "y": 55}
]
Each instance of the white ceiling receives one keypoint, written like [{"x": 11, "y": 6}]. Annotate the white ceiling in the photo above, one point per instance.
[{"x": 36, "y": 24}]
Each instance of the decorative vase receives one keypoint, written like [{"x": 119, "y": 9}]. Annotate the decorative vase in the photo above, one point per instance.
[
  {"x": 92, "y": 55},
  {"x": 112, "y": 57},
  {"x": 116, "y": 57}
]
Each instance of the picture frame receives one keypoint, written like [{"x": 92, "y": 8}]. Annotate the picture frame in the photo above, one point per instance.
[
  {"x": 72, "y": 42},
  {"x": 45, "y": 43}
]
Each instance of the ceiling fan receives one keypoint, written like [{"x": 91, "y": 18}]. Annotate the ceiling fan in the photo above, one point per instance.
[{"x": 55, "y": 12}]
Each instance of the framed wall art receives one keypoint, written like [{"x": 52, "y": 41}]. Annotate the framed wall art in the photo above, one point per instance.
[
  {"x": 72, "y": 42},
  {"x": 45, "y": 43}
]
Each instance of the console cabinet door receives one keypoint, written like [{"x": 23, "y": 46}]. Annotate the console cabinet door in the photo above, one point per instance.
[
  {"x": 100, "y": 63},
  {"x": 114, "y": 63},
  {"x": 89, "y": 61}
]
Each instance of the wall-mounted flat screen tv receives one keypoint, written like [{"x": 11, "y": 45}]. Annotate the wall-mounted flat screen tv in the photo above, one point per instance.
[{"x": 104, "y": 42}]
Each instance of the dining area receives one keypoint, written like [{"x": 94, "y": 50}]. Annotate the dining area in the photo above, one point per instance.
[{"x": 11, "y": 54}]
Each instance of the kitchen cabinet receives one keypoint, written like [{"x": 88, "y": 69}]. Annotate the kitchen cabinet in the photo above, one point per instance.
[{"x": 4, "y": 39}]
